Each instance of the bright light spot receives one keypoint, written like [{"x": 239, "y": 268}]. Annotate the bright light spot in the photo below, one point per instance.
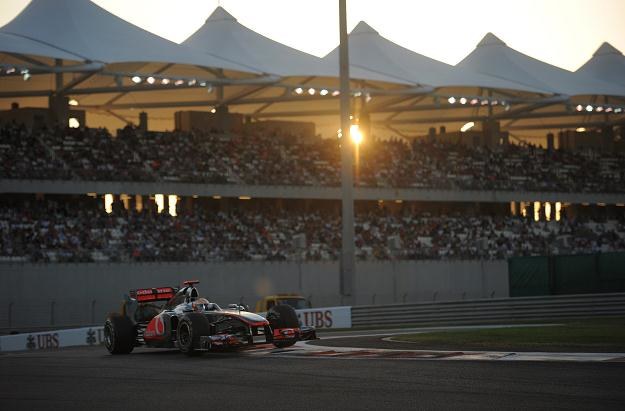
[
  {"x": 494, "y": 103},
  {"x": 463, "y": 100},
  {"x": 536, "y": 210},
  {"x": 159, "y": 199},
  {"x": 217, "y": 197},
  {"x": 580, "y": 129},
  {"x": 165, "y": 81},
  {"x": 523, "y": 206},
  {"x": 368, "y": 97},
  {"x": 173, "y": 200},
  {"x": 474, "y": 101},
  {"x": 484, "y": 102},
  {"x": 299, "y": 90},
  {"x": 73, "y": 123},
  {"x": 178, "y": 82},
  {"x": 213, "y": 110},
  {"x": 599, "y": 109},
  {"x": 192, "y": 82},
  {"x": 548, "y": 211},
  {"x": 26, "y": 74},
  {"x": 323, "y": 92},
  {"x": 358, "y": 94},
  {"x": 589, "y": 108},
  {"x": 467, "y": 126},
  {"x": 108, "y": 203},
  {"x": 73, "y": 102},
  {"x": 312, "y": 91},
  {"x": 202, "y": 84},
  {"x": 11, "y": 70},
  {"x": 136, "y": 79},
  {"x": 579, "y": 107},
  {"x": 558, "y": 209},
  {"x": 245, "y": 198},
  {"x": 355, "y": 134},
  {"x": 209, "y": 89},
  {"x": 618, "y": 110},
  {"x": 451, "y": 100},
  {"x": 608, "y": 109},
  {"x": 150, "y": 80},
  {"x": 336, "y": 93}
]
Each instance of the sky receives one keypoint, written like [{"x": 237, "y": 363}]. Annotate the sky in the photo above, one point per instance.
[{"x": 564, "y": 33}]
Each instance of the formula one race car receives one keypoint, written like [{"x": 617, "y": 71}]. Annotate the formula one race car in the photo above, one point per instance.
[{"x": 194, "y": 325}]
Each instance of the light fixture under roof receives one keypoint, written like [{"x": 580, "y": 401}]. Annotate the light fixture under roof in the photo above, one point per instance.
[
  {"x": 323, "y": 92},
  {"x": 136, "y": 79},
  {"x": 150, "y": 80},
  {"x": 463, "y": 100},
  {"x": 451, "y": 100},
  {"x": 165, "y": 81},
  {"x": 299, "y": 90},
  {"x": 312, "y": 91},
  {"x": 336, "y": 93},
  {"x": 73, "y": 102}
]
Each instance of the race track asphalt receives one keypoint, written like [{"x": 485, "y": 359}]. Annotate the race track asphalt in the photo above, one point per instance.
[{"x": 91, "y": 379}]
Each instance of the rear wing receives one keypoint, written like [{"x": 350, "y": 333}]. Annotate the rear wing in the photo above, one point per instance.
[{"x": 153, "y": 294}]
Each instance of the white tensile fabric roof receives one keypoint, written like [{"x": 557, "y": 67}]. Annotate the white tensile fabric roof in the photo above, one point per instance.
[
  {"x": 493, "y": 57},
  {"x": 222, "y": 35},
  {"x": 607, "y": 64},
  {"x": 11, "y": 43},
  {"x": 369, "y": 50},
  {"x": 82, "y": 28}
]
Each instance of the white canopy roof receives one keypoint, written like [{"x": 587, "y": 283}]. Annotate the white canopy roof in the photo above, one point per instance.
[
  {"x": 493, "y": 57},
  {"x": 222, "y": 35},
  {"x": 369, "y": 50},
  {"x": 11, "y": 43},
  {"x": 607, "y": 64},
  {"x": 82, "y": 28}
]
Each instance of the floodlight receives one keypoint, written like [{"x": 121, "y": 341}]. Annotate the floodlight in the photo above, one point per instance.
[
  {"x": 336, "y": 93},
  {"x": 165, "y": 81},
  {"x": 178, "y": 82},
  {"x": 312, "y": 91},
  {"x": 589, "y": 108},
  {"x": 136, "y": 79},
  {"x": 467, "y": 126},
  {"x": 299, "y": 90},
  {"x": 323, "y": 92},
  {"x": 73, "y": 102},
  {"x": 150, "y": 80},
  {"x": 451, "y": 100},
  {"x": 463, "y": 100},
  {"x": 355, "y": 134},
  {"x": 579, "y": 107}
]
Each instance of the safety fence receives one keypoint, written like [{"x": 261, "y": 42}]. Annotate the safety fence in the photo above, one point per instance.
[{"x": 490, "y": 310}]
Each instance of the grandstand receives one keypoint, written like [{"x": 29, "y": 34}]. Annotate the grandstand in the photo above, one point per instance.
[{"x": 96, "y": 188}]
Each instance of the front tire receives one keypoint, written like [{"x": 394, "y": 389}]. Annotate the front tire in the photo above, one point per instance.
[
  {"x": 119, "y": 334},
  {"x": 283, "y": 316},
  {"x": 190, "y": 329}
]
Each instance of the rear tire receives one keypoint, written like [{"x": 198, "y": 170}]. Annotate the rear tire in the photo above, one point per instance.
[
  {"x": 119, "y": 334},
  {"x": 283, "y": 316},
  {"x": 190, "y": 328}
]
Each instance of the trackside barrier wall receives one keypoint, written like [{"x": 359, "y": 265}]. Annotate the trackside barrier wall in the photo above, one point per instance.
[
  {"x": 35, "y": 297},
  {"x": 567, "y": 274},
  {"x": 52, "y": 339},
  {"x": 498, "y": 311}
]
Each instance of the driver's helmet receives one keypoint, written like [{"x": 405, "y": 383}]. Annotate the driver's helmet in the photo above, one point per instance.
[{"x": 201, "y": 304}]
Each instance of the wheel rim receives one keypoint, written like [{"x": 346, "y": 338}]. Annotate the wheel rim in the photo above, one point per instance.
[
  {"x": 184, "y": 335},
  {"x": 108, "y": 336}
]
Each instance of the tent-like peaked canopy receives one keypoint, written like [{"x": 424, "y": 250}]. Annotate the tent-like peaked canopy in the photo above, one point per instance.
[
  {"x": 222, "y": 35},
  {"x": 607, "y": 64},
  {"x": 11, "y": 43},
  {"x": 369, "y": 50},
  {"x": 82, "y": 28},
  {"x": 493, "y": 57}
]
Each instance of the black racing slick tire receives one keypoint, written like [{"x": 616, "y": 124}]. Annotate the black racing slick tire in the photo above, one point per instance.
[
  {"x": 119, "y": 334},
  {"x": 190, "y": 328},
  {"x": 282, "y": 316}
]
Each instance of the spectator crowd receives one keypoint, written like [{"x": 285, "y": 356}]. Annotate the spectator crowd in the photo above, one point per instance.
[
  {"x": 133, "y": 155},
  {"x": 63, "y": 231}
]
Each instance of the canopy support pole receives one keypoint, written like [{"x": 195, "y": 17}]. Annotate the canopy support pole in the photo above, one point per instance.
[{"x": 347, "y": 264}]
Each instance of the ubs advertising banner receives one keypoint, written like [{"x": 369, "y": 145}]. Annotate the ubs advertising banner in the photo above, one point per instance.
[
  {"x": 328, "y": 317},
  {"x": 52, "y": 339}
]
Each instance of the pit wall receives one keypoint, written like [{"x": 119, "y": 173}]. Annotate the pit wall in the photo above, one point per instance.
[{"x": 46, "y": 296}]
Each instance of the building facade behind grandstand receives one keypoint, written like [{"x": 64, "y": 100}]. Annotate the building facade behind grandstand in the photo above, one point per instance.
[{"x": 251, "y": 205}]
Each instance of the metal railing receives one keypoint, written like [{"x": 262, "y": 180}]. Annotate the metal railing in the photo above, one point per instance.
[{"x": 500, "y": 310}]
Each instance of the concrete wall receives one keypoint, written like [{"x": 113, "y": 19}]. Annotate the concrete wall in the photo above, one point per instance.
[
  {"x": 44, "y": 295},
  {"x": 298, "y": 192}
]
